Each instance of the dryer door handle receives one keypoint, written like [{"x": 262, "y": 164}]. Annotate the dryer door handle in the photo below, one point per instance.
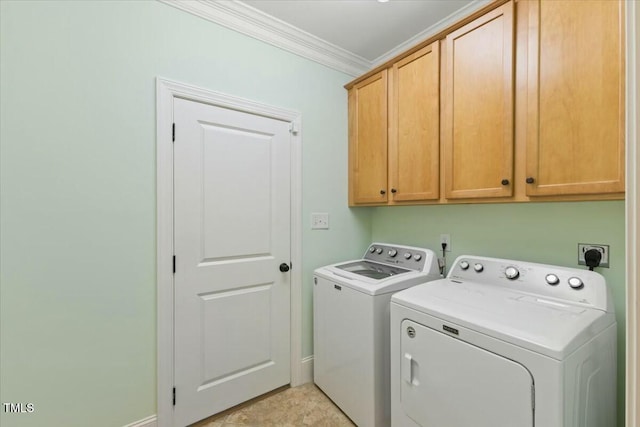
[{"x": 407, "y": 368}]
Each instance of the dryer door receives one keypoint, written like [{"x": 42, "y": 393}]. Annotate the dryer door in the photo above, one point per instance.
[{"x": 448, "y": 382}]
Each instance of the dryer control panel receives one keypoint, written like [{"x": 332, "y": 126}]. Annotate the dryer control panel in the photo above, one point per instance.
[{"x": 572, "y": 285}]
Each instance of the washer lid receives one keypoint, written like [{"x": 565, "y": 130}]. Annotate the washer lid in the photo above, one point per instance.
[
  {"x": 542, "y": 325},
  {"x": 372, "y": 270},
  {"x": 373, "y": 286}
]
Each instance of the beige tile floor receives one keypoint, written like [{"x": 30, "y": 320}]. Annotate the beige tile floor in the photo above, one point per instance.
[{"x": 292, "y": 407}]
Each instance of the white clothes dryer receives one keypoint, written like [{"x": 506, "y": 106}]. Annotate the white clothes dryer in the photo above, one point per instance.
[
  {"x": 351, "y": 326},
  {"x": 503, "y": 343}
]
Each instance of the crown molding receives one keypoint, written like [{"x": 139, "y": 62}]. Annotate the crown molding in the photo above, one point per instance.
[
  {"x": 252, "y": 22},
  {"x": 241, "y": 17},
  {"x": 430, "y": 31}
]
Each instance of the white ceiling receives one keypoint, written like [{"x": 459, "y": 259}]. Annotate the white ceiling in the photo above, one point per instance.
[{"x": 367, "y": 28}]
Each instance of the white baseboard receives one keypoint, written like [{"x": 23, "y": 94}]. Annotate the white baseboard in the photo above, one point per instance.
[
  {"x": 150, "y": 421},
  {"x": 306, "y": 370}
]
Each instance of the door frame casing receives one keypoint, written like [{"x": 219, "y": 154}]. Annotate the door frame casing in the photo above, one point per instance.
[{"x": 166, "y": 92}]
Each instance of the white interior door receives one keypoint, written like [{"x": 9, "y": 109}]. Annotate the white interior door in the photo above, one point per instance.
[
  {"x": 446, "y": 382},
  {"x": 232, "y": 232}
]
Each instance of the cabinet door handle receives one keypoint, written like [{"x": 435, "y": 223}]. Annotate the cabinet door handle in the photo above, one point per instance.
[
  {"x": 530, "y": 180},
  {"x": 393, "y": 190},
  {"x": 383, "y": 192},
  {"x": 505, "y": 182}
]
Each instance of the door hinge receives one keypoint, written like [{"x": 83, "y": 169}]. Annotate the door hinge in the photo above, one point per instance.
[
  {"x": 174, "y": 396},
  {"x": 174, "y": 263},
  {"x": 173, "y": 132},
  {"x": 293, "y": 128}
]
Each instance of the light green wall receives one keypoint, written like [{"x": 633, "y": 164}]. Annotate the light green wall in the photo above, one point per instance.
[
  {"x": 537, "y": 232},
  {"x": 77, "y": 219},
  {"x": 77, "y": 84}
]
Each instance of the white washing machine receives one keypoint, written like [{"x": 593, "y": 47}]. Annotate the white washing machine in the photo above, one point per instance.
[
  {"x": 502, "y": 343},
  {"x": 351, "y": 326}
]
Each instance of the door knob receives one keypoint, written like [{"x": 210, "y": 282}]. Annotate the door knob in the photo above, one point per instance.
[
  {"x": 383, "y": 192},
  {"x": 284, "y": 267},
  {"x": 530, "y": 180},
  {"x": 505, "y": 182}
]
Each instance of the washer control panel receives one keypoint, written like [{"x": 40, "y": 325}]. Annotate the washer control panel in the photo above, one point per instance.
[
  {"x": 570, "y": 284},
  {"x": 403, "y": 256}
]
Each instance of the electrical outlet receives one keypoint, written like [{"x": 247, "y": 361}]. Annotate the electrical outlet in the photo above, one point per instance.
[
  {"x": 319, "y": 221},
  {"x": 445, "y": 238},
  {"x": 603, "y": 249}
]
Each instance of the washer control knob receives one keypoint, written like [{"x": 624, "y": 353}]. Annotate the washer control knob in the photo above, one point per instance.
[
  {"x": 393, "y": 252},
  {"x": 372, "y": 249},
  {"x": 378, "y": 251},
  {"x": 512, "y": 273},
  {"x": 464, "y": 265},
  {"x": 552, "y": 279},
  {"x": 575, "y": 283},
  {"x": 417, "y": 257},
  {"x": 407, "y": 255},
  {"x": 478, "y": 267}
]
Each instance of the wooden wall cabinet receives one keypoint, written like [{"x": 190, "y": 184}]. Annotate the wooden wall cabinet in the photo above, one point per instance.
[
  {"x": 368, "y": 140},
  {"x": 394, "y": 158},
  {"x": 576, "y": 126},
  {"x": 414, "y": 126},
  {"x": 477, "y": 120},
  {"x": 523, "y": 100}
]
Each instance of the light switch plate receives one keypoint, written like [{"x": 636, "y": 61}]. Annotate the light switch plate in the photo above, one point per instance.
[{"x": 319, "y": 221}]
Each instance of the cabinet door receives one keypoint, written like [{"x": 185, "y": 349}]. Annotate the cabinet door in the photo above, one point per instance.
[
  {"x": 368, "y": 140},
  {"x": 478, "y": 107},
  {"x": 575, "y": 135},
  {"x": 414, "y": 126}
]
